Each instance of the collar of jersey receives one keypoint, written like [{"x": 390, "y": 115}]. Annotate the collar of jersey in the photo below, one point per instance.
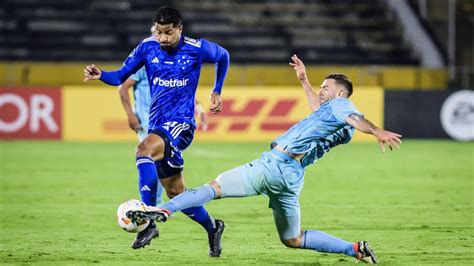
[{"x": 180, "y": 44}]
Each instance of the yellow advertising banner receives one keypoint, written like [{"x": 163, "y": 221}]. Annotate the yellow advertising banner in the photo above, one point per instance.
[
  {"x": 94, "y": 114},
  {"x": 250, "y": 113},
  {"x": 263, "y": 113}
]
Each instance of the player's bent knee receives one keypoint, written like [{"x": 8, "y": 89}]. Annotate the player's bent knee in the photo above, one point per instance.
[
  {"x": 217, "y": 188},
  {"x": 173, "y": 193},
  {"x": 142, "y": 149},
  {"x": 292, "y": 242},
  {"x": 152, "y": 146}
]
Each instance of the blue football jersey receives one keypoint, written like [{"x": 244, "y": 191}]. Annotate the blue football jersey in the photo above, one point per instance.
[
  {"x": 173, "y": 76},
  {"x": 320, "y": 131}
]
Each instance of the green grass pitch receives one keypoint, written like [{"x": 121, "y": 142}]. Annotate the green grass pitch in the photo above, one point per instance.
[{"x": 415, "y": 206}]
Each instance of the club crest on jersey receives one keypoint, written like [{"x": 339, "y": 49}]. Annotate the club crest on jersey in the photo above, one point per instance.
[{"x": 170, "y": 83}]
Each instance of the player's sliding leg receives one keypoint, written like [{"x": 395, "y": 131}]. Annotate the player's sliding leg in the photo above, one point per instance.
[
  {"x": 228, "y": 184},
  {"x": 148, "y": 151},
  {"x": 322, "y": 242},
  {"x": 174, "y": 185},
  {"x": 289, "y": 231}
]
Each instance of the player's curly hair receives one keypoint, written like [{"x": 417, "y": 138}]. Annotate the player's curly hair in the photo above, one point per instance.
[
  {"x": 343, "y": 80},
  {"x": 167, "y": 15}
]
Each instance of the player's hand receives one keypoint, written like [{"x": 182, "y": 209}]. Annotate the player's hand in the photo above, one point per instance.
[
  {"x": 91, "y": 72},
  {"x": 216, "y": 103},
  {"x": 134, "y": 123},
  {"x": 299, "y": 67},
  {"x": 391, "y": 139}
]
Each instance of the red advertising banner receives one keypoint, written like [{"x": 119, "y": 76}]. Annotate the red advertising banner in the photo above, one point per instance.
[{"x": 30, "y": 113}]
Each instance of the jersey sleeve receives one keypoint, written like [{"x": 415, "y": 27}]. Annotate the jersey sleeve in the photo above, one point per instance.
[
  {"x": 213, "y": 53},
  {"x": 342, "y": 108},
  {"x": 133, "y": 62}
]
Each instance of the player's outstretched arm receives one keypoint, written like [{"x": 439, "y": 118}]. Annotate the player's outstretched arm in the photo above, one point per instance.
[
  {"x": 213, "y": 53},
  {"x": 300, "y": 69},
  {"x": 133, "y": 62},
  {"x": 383, "y": 136},
  {"x": 91, "y": 72},
  {"x": 133, "y": 121}
]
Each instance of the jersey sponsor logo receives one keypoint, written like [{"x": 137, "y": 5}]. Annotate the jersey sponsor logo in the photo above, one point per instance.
[
  {"x": 155, "y": 60},
  {"x": 170, "y": 83},
  {"x": 193, "y": 42},
  {"x": 169, "y": 62}
]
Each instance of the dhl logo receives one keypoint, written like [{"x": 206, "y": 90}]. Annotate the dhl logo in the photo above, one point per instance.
[
  {"x": 240, "y": 115},
  {"x": 255, "y": 114}
]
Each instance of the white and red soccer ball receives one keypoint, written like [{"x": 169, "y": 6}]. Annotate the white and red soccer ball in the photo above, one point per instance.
[{"x": 126, "y": 223}]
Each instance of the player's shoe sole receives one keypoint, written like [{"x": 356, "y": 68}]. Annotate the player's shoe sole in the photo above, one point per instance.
[
  {"x": 144, "y": 237},
  {"x": 155, "y": 214},
  {"x": 215, "y": 244},
  {"x": 366, "y": 253}
]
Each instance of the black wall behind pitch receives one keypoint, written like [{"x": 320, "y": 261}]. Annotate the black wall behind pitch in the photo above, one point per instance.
[{"x": 415, "y": 114}]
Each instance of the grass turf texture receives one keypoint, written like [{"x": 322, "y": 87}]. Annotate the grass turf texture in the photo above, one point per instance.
[{"x": 415, "y": 206}]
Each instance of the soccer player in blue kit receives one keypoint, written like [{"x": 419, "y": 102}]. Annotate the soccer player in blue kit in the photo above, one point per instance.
[
  {"x": 173, "y": 65},
  {"x": 138, "y": 116},
  {"x": 279, "y": 173}
]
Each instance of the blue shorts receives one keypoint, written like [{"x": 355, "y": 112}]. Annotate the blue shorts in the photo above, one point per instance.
[{"x": 177, "y": 137}]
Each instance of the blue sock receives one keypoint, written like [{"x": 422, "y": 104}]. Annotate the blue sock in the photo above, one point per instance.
[
  {"x": 190, "y": 203},
  {"x": 322, "y": 242},
  {"x": 201, "y": 216},
  {"x": 147, "y": 180}
]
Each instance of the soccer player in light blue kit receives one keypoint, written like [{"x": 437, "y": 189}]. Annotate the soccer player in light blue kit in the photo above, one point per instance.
[
  {"x": 280, "y": 172},
  {"x": 173, "y": 65}
]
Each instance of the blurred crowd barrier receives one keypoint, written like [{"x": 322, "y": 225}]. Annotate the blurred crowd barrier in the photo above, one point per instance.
[
  {"x": 94, "y": 113},
  {"x": 400, "y": 77}
]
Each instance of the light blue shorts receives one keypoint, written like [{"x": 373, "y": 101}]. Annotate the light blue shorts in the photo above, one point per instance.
[
  {"x": 143, "y": 117},
  {"x": 276, "y": 175}
]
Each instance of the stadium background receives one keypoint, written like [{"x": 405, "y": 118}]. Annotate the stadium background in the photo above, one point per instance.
[{"x": 406, "y": 59}]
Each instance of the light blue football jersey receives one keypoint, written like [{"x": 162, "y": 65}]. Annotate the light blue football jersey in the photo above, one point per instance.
[
  {"x": 320, "y": 131},
  {"x": 141, "y": 96}
]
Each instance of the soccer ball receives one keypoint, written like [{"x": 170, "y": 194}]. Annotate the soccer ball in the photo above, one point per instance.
[{"x": 126, "y": 223}]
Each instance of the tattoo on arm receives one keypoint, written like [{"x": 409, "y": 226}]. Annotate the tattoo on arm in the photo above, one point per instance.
[{"x": 362, "y": 124}]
